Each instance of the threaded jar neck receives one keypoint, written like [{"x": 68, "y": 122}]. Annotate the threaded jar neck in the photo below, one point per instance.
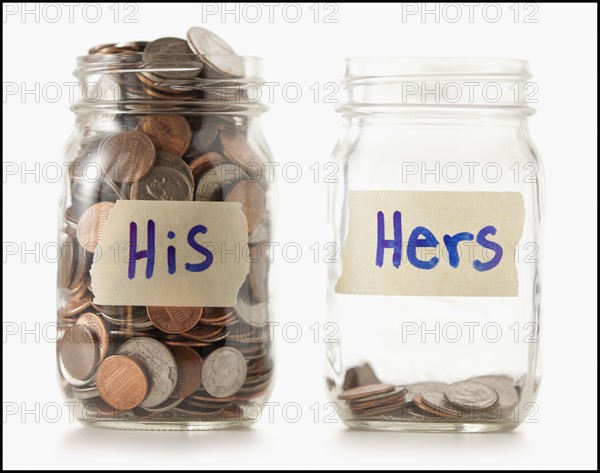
[{"x": 399, "y": 85}]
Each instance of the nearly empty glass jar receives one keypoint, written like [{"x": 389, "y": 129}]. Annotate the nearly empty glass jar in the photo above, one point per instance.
[
  {"x": 437, "y": 214},
  {"x": 163, "y": 287}
]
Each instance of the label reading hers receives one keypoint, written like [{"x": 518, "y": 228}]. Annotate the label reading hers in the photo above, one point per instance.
[
  {"x": 431, "y": 243},
  {"x": 159, "y": 253}
]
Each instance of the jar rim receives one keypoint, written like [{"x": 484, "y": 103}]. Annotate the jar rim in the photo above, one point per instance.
[{"x": 363, "y": 67}]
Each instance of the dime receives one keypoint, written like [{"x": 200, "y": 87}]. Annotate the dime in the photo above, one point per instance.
[
  {"x": 215, "y": 183},
  {"x": 122, "y": 383},
  {"x": 224, "y": 372},
  {"x": 78, "y": 351},
  {"x": 220, "y": 58},
  {"x": 366, "y": 391},
  {"x": 471, "y": 395},
  {"x": 255, "y": 314},
  {"x": 163, "y": 183},
  {"x": 175, "y": 319},
  {"x": 252, "y": 197},
  {"x": 91, "y": 224},
  {"x": 159, "y": 364},
  {"x": 95, "y": 323},
  {"x": 504, "y": 387},
  {"x": 189, "y": 371},
  {"x": 127, "y": 156},
  {"x": 172, "y": 133}
]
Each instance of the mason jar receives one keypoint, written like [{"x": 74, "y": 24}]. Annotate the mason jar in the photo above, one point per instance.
[
  {"x": 437, "y": 214},
  {"x": 163, "y": 290}
]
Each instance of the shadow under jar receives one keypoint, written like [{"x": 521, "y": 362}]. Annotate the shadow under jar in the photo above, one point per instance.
[
  {"x": 163, "y": 284},
  {"x": 436, "y": 295}
]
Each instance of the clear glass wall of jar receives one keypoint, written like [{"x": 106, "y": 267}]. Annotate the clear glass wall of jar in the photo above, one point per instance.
[
  {"x": 437, "y": 214},
  {"x": 165, "y": 129}
]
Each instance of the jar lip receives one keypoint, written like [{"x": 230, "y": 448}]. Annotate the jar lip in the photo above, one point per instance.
[{"x": 359, "y": 68}]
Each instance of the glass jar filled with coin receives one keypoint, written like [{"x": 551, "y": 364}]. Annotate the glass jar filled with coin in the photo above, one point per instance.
[
  {"x": 436, "y": 295},
  {"x": 163, "y": 284}
]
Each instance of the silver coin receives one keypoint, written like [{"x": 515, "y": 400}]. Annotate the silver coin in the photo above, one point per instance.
[
  {"x": 253, "y": 314},
  {"x": 163, "y": 183},
  {"x": 424, "y": 387},
  {"x": 214, "y": 184},
  {"x": 165, "y": 406},
  {"x": 202, "y": 139},
  {"x": 79, "y": 351},
  {"x": 471, "y": 395},
  {"x": 224, "y": 372},
  {"x": 504, "y": 387},
  {"x": 220, "y": 58},
  {"x": 160, "y": 366},
  {"x": 169, "y": 54},
  {"x": 168, "y": 159},
  {"x": 86, "y": 393}
]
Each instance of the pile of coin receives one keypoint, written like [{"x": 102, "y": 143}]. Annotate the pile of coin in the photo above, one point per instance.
[
  {"x": 481, "y": 399},
  {"x": 164, "y": 363}
]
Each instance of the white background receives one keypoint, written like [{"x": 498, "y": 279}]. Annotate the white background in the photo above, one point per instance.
[{"x": 561, "y": 47}]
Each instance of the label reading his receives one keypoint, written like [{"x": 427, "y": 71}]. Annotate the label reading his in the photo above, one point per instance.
[
  {"x": 159, "y": 253},
  {"x": 431, "y": 243}
]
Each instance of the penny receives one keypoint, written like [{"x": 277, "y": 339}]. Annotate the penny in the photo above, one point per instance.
[
  {"x": 252, "y": 197},
  {"x": 163, "y": 183},
  {"x": 504, "y": 387},
  {"x": 167, "y": 54},
  {"x": 236, "y": 148},
  {"x": 471, "y": 395},
  {"x": 220, "y": 58},
  {"x": 91, "y": 225},
  {"x": 122, "y": 383},
  {"x": 159, "y": 365},
  {"x": 435, "y": 403},
  {"x": 175, "y": 319},
  {"x": 215, "y": 183},
  {"x": 172, "y": 133},
  {"x": 95, "y": 323},
  {"x": 189, "y": 371},
  {"x": 202, "y": 163},
  {"x": 224, "y": 372},
  {"x": 127, "y": 156},
  {"x": 203, "y": 138},
  {"x": 78, "y": 350},
  {"x": 398, "y": 392},
  {"x": 365, "y": 391}
]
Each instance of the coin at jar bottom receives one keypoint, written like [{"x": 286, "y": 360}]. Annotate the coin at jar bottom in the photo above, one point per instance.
[
  {"x": 158, "y": 362},
  {"x": 224, "y": 372},
  {"x": 471, "y": 395},
  {"x": 122, "y": 383}
]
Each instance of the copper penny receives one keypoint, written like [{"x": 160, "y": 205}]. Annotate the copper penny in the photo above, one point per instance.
[
  {"x": 252, "y": 197},
  {"x": 204, "y": 162},
  {"x": 95, "y": 323},
  {"x": 434, "y": 403},
  {"x": 121, "y": 382},
  {"x": 366, "y": 391},
  {"x": 189, "y": 371},
  {"x": 172, "y": 133},
  {"x": 78, "y": 350},
  {"x": 239, "y": 151},
  {"x": 91, "y": 224},
  {"x": 175, "y": 319},
  {"x": 127, "y": 156}
]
